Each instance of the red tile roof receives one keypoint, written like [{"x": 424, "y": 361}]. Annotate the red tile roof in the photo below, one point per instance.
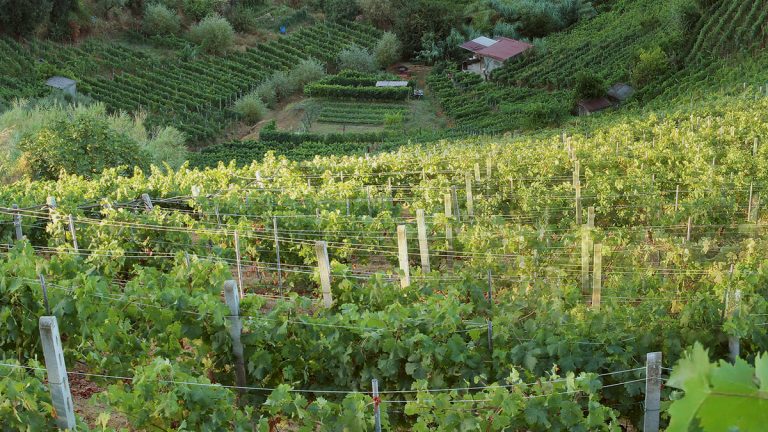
[
  {"x": 593, "y": 105},
  {"x": 505, "y": 49}
]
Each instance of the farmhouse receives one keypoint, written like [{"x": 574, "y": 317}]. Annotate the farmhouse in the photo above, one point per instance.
[{"x": 490, "y": 54}]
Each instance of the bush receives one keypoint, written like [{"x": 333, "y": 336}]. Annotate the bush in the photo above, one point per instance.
[
  {"x": 199, "y": 9},
  {"x": 357, "y": 58},
  {"x": 267, "y": 93},
  {"x": 85, "y": 146},
  {"x": 243, "y": 18},
  {"x": 167, "y": 147},
  {"x": 214, "y": 34},
  {"x": 589, "y": 86},
  {"x": 338, "y": 10},
  {"x": 387, "y": 50},
  {"x": 159, "y": 20},
  {"x": 651, "y": 64},
  {"x": 307, "y": 71},
  {"x": 379, "y": 12},
  {"x": 251, "y": 108}
]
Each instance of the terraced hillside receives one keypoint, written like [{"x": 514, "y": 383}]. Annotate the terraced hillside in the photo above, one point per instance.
[
  {"x": 194, "y": 95},
  {"x": 730, "y": 26}
]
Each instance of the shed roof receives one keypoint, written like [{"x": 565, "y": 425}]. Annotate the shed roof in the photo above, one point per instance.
[
  {"x": 504, "y": 49},
  {"x": 478, "y": 44},
  {"x": 391, "y": 83},
  {"x": 621, "y": 91},
  {"x": 60, "y": 82},
  {"x": 596, "y": 104}
]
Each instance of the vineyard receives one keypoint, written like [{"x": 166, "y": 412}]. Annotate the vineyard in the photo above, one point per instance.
[
  {"x": 332, "y": 111},
  {"x": 508, "y": 283},
  {"x": 729, "y": 27},
  {"x": 193, "y": 95}
]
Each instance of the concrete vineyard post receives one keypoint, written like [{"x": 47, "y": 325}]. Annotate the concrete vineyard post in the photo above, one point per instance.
[
  {"x": 73, "y": 233},
  {"x": 423, "y": 244},
  {"x": 448, "y": 226},
  {"x": 402, "y": 255},
  {"x": 51, "y": 202},
  {"x": 277, "y": 254},
  {"x": 577, "y": 188},
  {"x": 376, "y": 404},
  {"x": 368, "y": 197},
  {"x": 652, "y": 392},
  {"x": 586, "y": 249},
  {"x": 688, "y": 230},
  {"x": 17, "y": 223},
  {"x": 324, "y": 266},
  {"x": 58, "y": 381},
  {"x": 733, "y": 341},
  {"x": 232, "y": 299},
  {"x": 677, "y": 197},
  {"x": 490, "y": 337},
  {"x": 590, "y": 217},
  {"x": 477, "y": 172},
  {"x": 147, "y": 202},
  {"x": 470, "y": 201},
  {"x": 597, "y": 275},
  {"x": 749, "y": 204},
  {"x": 455, "y": 200},
  {"x": 239, "y": 264}
]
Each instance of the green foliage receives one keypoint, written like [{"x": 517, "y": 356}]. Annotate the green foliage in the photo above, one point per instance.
[
  {"x": 199, "y": 9},
  {"x": 651, "y": 64},
  {"x": 437, "y": 50},
  {"x": 387, "y": 50},
  {"x": 718, "y": 396},
  {"x": 214, "y": 34},
  {"x": 22, "y": 17},
  {"x": 363, "y": 93},
  {"x": 26, "y": 400},
  {"x": 159, "y": 20},
  {"x": 166, "y": 147},
  {"x": 83, "y": 146},
  {"x": 251, "y": 108},
  {"x": 307, "y": 71},
  {"x": 243, "y": 18},
  {"x": 356, "y": 58},
  {"x": 417, "y": 18},
  {"x": 340, "y": 10},
  {"x": 380, "y": 13},
  {"x": 193, "y": 407},
  {"x": 589, "y": 86}
]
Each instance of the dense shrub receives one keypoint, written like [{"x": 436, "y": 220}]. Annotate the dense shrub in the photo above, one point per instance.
[
  {"x": 214, "y": 34},
  {"x": 357, "y": 58},
  {"x": 307, "y": 71},
  {"x": 347, "y": 92},
  {"x": 380, "y": 13},
  {"x": 338, "y": 10},
  {"x": 199, "y": 9},
  {"x": 387, "y": 50},
  {"x": 651, "y": 64},
  {"x": 588, "y": 86},
  {"x": 243, "y": 18},
  {"x": 167, "y": 147},
  {"x": 159, "y": 20},
  {"x": 84, "y": 146},
  {"x": 251, "y": 108},
  {"x": 22, "y": 17}
]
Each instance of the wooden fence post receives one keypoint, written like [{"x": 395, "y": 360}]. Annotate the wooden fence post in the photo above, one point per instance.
[
  {"x": 232, "y": 299},
  {"x": 597, "y": 275},
  {"x": 423, "y": 244},
  {"x": 321, "y": 248},
  {"x": 58, "y": 381},
  {"x": 402, "y": 248},
  {"x": 652, "y": 392}
]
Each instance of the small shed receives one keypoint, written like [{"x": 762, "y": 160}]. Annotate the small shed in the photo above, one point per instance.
[
  {"x": 493, "y": 53},
  {"x": 391, "y": 83},
  {"x": 620, "y": 92},
  {"x": 66, "y": 85},
  {"x": 588, "y": 106}
]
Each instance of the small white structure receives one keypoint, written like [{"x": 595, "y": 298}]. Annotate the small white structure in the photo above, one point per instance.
[
  {"x": 64, "y": 84},
  {"x": 391, "y": 83}
]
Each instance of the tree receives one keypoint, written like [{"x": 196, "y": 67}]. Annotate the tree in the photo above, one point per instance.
[
  {"x": 357, "y": 59},
  {"x": 60, "y": 17},
  {"x": 251, "y": 108},
  {"x": 379, "y": 12},
  {"x": 589, "y": 86},
  {"x": 339, "y": 10},
  {"x": 159, "y": 20},
  {"x": 214, "y": 34},
  {"x": 387, "y": 50},
  {"x": 22, "y": 17},
  {"x": 83, "y": 146},
  {"x": 416, "y": 18}
]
